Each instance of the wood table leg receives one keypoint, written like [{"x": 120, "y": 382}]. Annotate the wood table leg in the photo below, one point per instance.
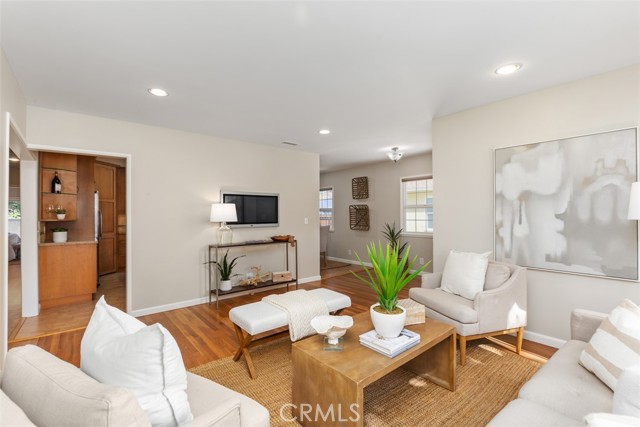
[
  {"x": 438, "y": 364},
  {"x": 243, "y": 350}
]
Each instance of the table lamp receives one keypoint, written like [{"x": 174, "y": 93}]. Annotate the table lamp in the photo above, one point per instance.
[{"x": 223, "y": 212}]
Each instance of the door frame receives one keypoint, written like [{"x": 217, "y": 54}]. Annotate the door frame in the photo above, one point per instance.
[{"x": 129, "y": 209}]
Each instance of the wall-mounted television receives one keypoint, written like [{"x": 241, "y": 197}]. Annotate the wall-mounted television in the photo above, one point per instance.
[{"x": 253, "y": 209}]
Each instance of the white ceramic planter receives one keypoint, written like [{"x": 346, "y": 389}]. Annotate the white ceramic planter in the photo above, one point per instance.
[
  {"x": 59, "y": 236},
  {"x": 388, "y": 325},
  {"x": 61, "y": 216},
  {"x": 225, "y": 285}
]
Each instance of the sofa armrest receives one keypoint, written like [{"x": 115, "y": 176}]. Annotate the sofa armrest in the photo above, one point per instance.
[
  {"x": 504, "y": 307},
  {"x": 223, "y": 414},
  {"x": 584, "y": 323},
  {"x": 431, "y": 280}
]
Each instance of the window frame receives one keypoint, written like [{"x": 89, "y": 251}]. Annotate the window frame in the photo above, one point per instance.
[
  {"x": 403, "y": 206},
  {"x": 333, "y": 209}
]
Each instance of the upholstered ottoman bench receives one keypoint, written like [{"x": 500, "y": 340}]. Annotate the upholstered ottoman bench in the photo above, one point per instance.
[{"x": 264, "y": 319}]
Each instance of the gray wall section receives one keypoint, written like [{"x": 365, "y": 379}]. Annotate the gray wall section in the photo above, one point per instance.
[{"x": 384, "y": 205}]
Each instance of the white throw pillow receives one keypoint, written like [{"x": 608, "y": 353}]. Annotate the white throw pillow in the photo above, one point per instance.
[
  {"x": 626, "y": 396},
  {"x": 604, "y": 419},
  {"x": 464, "y": 273},
  {"x": 615, "y": 345},
  {"x": 120, "y": 350}
]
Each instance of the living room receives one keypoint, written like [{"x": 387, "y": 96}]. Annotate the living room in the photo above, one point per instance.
[{"x": 178, "y": 162}]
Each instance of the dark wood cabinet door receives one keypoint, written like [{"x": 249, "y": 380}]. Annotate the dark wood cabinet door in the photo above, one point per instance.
[{"x": 105, "y": 176}]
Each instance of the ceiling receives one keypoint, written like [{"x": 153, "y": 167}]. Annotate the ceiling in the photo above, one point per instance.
[{"x": 374, "y": 73}]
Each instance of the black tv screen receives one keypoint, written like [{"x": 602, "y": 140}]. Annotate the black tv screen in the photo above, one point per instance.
[{"x": 253, "y": 209}]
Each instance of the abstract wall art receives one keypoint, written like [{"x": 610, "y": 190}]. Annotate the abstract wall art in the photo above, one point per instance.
[{"x": 562, "y": 205}]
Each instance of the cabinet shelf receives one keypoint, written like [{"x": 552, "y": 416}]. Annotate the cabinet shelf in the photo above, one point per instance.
[{"x": 243, "y": 288}]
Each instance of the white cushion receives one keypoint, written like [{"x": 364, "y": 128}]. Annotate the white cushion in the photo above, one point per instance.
[
  {"x": 626, "y": 397},
  {"x": 464, "y": 273},
  {"x": 615, "y": 345},
  {"x": 11, "y": 414},
  {"x": 120, "y": 350},
  {"x": 603, "y": 419}
]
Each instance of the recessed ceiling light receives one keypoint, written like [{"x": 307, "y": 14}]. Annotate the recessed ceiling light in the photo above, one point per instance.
[
  {"x": 324, "y": 132},
  {"x": 157, "y": 91},
  {"x": 508, "y": 69}
]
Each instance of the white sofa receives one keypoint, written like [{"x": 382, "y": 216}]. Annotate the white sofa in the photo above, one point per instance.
[
  {"x": 38, "y": 389},
  {"x": 562, "y": 392}
]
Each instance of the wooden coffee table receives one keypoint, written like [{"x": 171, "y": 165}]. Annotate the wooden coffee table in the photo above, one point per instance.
[{"x": 328, "y": 387}]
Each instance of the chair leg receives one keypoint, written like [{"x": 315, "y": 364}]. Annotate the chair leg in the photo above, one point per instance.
[
  {"x": 519, "y": 338},
  {"x": 463, "y": 348},
  {"x": 243, "y": 350}
]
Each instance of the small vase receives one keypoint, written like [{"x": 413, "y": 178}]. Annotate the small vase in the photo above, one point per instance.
[
  {"x": 388, "y": 325},
  {"x": 61, "y": 216},
  {"x": 59, "y": 236},
  {"x": 225, "y": 285}
]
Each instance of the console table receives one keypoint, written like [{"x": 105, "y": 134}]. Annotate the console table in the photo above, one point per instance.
[{"x": 213, "y": 275}]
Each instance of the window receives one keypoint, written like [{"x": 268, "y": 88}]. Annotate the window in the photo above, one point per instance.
[
  {"x": 326, "y": 207},
  {"x": 417, "y": 204}
]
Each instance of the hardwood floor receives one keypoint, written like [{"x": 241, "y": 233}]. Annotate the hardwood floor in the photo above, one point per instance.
[{"x": 205, "y": 334}]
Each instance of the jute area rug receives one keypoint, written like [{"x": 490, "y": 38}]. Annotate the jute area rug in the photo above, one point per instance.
[{"x": 490, "y": 379}]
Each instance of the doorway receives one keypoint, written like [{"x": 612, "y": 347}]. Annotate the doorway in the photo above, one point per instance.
[{"x": 14, "y": 291}]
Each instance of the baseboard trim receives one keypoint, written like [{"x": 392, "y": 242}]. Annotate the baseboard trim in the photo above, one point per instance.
[
  {"x": 349, "y": 261},
  {"x": 544, "y": 339},
  {"x": 168, "y": 307},
  {"x": 205, "y": 300}
]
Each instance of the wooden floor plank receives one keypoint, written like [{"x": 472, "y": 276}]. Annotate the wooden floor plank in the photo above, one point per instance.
[{"x": 205, "y": 334}]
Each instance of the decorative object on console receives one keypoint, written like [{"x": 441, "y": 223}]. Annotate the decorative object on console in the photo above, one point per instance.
[
  {"x": 333, "y": 328},
  {"x": 394, "y": 154},
  {"x": 359, "y": 217},
  {"x": 225, "y": 268},
  {"x": 391, "y": 273},
  {"x": 561, "y": 205},
  {"x": 223, "y": 213},
  {"x": 59, "y": 234},
  {"x": 281, "y": 276},
  {"x": 360, "y": 187}
]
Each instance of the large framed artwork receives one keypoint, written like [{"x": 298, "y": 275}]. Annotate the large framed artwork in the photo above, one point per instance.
[{"x": 562, "y": 205}]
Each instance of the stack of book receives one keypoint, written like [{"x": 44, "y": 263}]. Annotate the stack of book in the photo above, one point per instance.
[{"x": 390, "y": 347}]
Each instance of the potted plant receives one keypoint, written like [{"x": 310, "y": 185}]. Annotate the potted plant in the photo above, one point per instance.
[
  {"x": 394, "y": 236},
  {"x": 391, "y": 274},
  {"x": 60, "y": 212},
  {"x": 225, "y": 268},
  {"x": 59, "y": 234}
]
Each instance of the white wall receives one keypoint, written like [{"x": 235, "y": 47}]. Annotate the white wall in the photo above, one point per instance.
[
  {"x": 463, "y": 190},
  {"x": 384, "y": 205},
  {"x": 11, "y": 101},
  {"x": 175, "y": 176}
]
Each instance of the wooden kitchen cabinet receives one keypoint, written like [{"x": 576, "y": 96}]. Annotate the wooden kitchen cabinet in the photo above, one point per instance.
[
  {"x": 67, "y": 166},
  {"x": 67, "y": 272}
]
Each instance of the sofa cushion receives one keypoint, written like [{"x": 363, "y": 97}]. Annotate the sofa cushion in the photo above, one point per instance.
[
  {"x": 447, "y": 304},
  {"x": 603, "y": 419},
  {"x": 202, "y": 392},
  {"x": 564, "y": 386},
  {"x": 626, "y": 396},
  {"x": 524, "y": 413},
  {"x": 120, "y": 350},
  {"x": 496, "y": 275},
  {"x": 464, "y": 273},
  {"x": 11, "y": 414},
  {"x": 55, "y": 393},
  {"x": 616, "y": 344}
]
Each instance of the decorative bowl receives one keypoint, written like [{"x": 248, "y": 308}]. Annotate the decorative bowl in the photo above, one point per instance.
[
  {"x": 332, "y": 326},
  {"x": 280, "y": 238}
]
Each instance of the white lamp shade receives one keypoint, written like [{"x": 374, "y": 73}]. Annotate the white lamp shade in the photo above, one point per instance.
[
  {"x": 634, "y": 201},
  {"x": 223, "y": 212}
]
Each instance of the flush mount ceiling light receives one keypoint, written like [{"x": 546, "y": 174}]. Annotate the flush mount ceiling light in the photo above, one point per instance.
[
  {"x": 324, "y": 132},
  {"x": 394, "y": 154},
  {"x": 157, "y": 91},
  {"x": 508, "y": 69}
]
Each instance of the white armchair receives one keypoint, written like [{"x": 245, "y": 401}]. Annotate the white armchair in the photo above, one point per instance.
[{"x": 500, "y": 308}]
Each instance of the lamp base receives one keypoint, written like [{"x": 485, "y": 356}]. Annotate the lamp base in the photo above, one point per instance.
[{"x": 224, "y": 234}]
